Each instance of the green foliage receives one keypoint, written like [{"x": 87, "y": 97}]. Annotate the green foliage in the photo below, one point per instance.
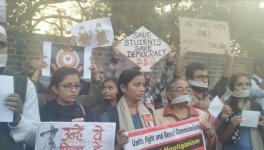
[{"x": 245, "y": 18}]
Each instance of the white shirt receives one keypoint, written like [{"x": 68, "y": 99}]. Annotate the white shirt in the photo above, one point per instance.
[
  {"x": 256, "y": 91},
  {"x": 25, "y": 131}
]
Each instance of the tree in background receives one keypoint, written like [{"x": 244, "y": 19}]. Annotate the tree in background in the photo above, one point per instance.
[{"x": 245, "y": 17}]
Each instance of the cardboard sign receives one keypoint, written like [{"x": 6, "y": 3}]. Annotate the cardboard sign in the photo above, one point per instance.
[
  {"x": 206, "y": 36},
  {"x": 2, "y": 11},
  {"x": 94, "y": 33},
  {"x": 75, "y": 136},
  {"x": 184, "y": 134},
  {"x": 61, "y": 55},
  {"x": 143, "y": 48}
]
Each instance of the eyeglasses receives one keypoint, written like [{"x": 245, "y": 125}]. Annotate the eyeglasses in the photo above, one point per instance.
[
  {"x": 182, "y": 89},
  {"x": 201, "y": 77},
  {"x": 3, "y": 44},
  {"x": 68, "y": 86}
]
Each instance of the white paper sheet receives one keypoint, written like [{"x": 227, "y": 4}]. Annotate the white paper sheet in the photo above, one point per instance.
[
  {"x": 215, "y": 107},
  {"x": 5, "y": 114},
  {"x": 2, "y": 11},
  {"x": 250, "y": 118},
  {"x": 47, "y": 59}
]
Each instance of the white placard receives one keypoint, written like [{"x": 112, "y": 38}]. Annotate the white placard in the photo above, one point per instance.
[
  {"x": 250, "y": 118},
  {"x": 6, "y": 115},
  {"x": 75, "y": 136},
  {"x": 61, "y": 55},
  {"x": 2, "y": 11},
  {"x": 143, "y": 48},
  {"x": 94, "y": 33},
  {"x": 215, "y": 107},
  {"x": 206, "y": 36}
]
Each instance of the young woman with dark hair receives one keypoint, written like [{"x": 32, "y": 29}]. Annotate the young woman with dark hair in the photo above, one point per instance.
[
  {"x": 65, "y": 86},
  {"x": 106, "y": 111},
  {"x": 132, "y": 113},
  {"x": 232, "y": 135}
]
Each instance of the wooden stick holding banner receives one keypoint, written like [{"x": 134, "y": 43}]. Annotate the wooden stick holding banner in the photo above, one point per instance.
[
  {"x": 184, "y": 134},
  {"x": 143, "y": 48}
]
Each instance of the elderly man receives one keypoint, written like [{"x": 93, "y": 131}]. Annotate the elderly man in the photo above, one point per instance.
[{"x": 23, "y": 103}]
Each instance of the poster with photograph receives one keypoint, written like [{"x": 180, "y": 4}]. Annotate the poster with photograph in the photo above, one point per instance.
[
  {"x": 61, "y": 55},
  {"x": 75, "y": 136},
  {"x": 94, "y": 33}
]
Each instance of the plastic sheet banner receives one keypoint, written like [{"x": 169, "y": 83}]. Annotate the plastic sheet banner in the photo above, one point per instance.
[{"x": 182, "y": 135}]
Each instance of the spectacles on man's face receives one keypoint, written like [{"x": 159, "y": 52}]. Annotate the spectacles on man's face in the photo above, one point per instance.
[
  {"x": 69, "y": 86},
  {"x": 3, "y": 44},
  {"x": 183, "y": 89},
  {"x": 201, "y": 77}
]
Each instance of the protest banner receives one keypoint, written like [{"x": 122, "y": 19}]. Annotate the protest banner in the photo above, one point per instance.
[
  {"x": 206, "y": 36},
  {"x": 2, "y": 11},
  {"x": 94, "y": 33},
  {"x": 61, "y": 55},
  {"x": 75, "y": 136},
  {"x": 180, "y": 135},
  {"x": 6, "y": 115},
  {"x": 143, "y": 48}
]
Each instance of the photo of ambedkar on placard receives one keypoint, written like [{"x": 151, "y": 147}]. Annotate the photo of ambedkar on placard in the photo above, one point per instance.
[{"x": 61, "y": 55}]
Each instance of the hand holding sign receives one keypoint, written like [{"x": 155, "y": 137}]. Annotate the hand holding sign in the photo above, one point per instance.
[
  {"x": 261, "y": 122},
  {"x": 226, "y": 112},
  {"x": 171, "y": 56},
  {"x": 235, "y": 120},
  {"x": 122, "y": 138}
]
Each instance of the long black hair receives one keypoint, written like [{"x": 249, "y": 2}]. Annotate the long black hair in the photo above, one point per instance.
[
  {"x": 126, "y": 76},
  {"x": 115, "y": 81}
]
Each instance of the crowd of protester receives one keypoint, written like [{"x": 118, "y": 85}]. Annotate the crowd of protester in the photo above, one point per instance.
[{"x": 125, "y": 96}]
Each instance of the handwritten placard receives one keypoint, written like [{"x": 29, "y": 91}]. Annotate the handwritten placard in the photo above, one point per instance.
[
  {"x": 206, "y": 36},
  {"x": 143, "y": 48},
  {"x": 75, "y": 136}
]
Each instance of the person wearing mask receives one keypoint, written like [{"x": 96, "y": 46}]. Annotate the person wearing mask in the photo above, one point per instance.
[
  {"x": 198, "y": 78},
  {"x": 178, "y": 94},
  {"x": 23, "y": 103},
  {"x": 232, "y": 135},
  {"x": 65, "y": 86},
  {"x": 257, "y": 84}
]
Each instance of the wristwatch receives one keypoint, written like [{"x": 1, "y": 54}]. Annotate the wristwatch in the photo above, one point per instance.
[{"x": 17, "y": 118}]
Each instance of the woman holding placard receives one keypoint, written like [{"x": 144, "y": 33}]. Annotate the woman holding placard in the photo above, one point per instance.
[
  {"x": 132, "y": 113},
  {"x": 237, "y": 132}
]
